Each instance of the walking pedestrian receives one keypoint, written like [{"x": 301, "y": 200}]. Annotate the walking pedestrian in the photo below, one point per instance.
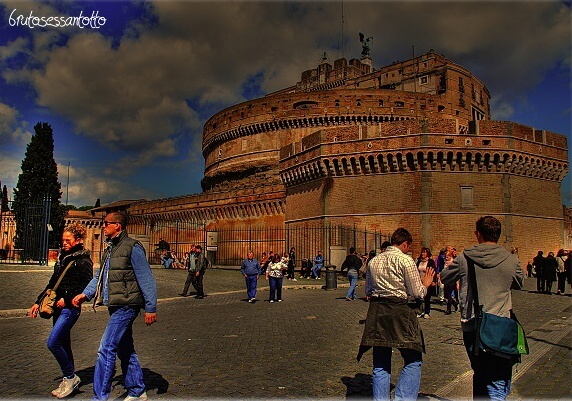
[
  {"x": 496, "y": 271},
  {"x": 201, "y": 265},
  {"x": 125, "y": 284},
  {"x": 352, "y": 264},
  {"x": 291, "y": 264},
  {"x": 275, "y": 275},
  {"x": 391, "y": 277},
  {"x": 424, "y": 262},
  {"x": 190, "y": 265},
  {"x": 561, "y": 271},
  {"x": 250, "y": 269},
  {"x": 78, "y": 267}
]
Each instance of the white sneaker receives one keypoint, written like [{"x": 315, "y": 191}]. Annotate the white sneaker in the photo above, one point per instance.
[
  {"x": 271, "y": 301},
  {"x": 66, "y": 387},
  {"x": 142, "y": 397},
  {"x": 294, "y": 279}
]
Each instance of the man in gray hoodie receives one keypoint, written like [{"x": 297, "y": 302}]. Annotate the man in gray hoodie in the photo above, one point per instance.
[{"x": 497, "y": 271}]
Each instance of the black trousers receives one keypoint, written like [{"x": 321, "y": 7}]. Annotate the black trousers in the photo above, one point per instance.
[
  {"x": 561, "y": 282},
  {"x": 190, "y": 279},
  {"x": 198, "y": 284}
]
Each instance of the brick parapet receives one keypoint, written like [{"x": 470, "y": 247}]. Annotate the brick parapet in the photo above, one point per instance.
[
  {"x": 350, "y": 151},
  {"x": 237, "y": 204}
]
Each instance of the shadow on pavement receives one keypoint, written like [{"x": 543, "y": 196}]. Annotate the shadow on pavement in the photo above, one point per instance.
[{"x": 153, "y": 380}]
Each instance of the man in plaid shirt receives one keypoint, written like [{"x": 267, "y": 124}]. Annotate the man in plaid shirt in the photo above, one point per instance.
[{"x": 392, "y": 279}]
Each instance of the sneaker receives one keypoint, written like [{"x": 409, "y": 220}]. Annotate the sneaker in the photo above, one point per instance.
[
  {"x": 294, "y": 279},
  {"x": 279, "y": 300},
  {"x": 183, "y": 294},
  {"x": 66, "y": 387},
  {"x": 426, "y": 316},
  {"x": 349, "y": 299},
  {"x": 271, "y": 301},
  {"x": 421, "y": 315},
  {"x": 142, "y": 397}
]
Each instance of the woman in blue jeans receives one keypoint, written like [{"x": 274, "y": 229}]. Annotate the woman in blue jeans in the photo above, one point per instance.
[
  {"x": 275, "y": 275},
  {"x": 77, "y": 276},
  {"x": 352, "y": 264}
]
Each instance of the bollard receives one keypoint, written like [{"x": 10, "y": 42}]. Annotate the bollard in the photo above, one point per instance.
[{"x": 331, "y": 277}]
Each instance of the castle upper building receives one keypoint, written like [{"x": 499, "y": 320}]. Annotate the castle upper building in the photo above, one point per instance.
[{"x": 410, "y": 144}]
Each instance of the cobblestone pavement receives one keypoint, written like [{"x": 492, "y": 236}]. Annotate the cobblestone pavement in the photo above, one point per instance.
[{"x": 223, "y": 347}]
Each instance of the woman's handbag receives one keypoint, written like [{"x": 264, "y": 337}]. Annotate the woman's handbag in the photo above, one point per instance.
[
  {"x": 48, "y": 301},
  {"x": 496, "y": 335}
]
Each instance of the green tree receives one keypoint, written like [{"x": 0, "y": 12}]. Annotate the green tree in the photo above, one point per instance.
[
  {"x": 38, "y": 180},
  {"x": 5, "y": 207}
]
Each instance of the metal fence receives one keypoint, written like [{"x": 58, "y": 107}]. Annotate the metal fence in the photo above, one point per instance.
[
  {"x": 34, "y": 234},
  {"x": 232, "y": 244}
]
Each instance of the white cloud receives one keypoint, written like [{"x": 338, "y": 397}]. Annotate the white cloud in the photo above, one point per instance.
[{"x": 86, "y": 186}]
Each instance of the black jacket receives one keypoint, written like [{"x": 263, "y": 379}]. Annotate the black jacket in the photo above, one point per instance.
[{"x": 76, "y": 278}]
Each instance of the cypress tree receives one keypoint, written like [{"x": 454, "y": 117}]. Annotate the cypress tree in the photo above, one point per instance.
[
  {"x": 5, "y": 207},
  {"x": 39, "y": 179}
]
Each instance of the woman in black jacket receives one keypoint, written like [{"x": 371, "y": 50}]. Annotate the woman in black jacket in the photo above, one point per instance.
[
  {"x": 65, "y": 316},
  {"x": 423, "y": 263}
]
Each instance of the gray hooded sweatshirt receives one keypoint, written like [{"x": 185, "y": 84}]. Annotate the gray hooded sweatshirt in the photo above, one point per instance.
[{"x": 497, "y": 272}]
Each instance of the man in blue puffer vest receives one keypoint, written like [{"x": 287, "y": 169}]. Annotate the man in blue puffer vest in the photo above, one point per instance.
[{"x": 125, "y": 284}]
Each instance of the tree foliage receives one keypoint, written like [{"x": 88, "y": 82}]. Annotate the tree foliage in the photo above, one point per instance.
[
  {"x": 38, "y": 180},
  {"x": 5, "y": 207}
]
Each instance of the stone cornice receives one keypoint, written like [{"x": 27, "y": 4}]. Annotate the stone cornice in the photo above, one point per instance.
[{"x": 411, "y": 160}]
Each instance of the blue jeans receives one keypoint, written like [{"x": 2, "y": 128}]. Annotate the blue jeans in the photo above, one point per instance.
[
  {"x": 316, "y": 270},
  {"x": 117, "y": 341},
  {"x": 275, "y": 287},
  {"x": 409, "y": 379},
  {"x": 492, "y": 375},
  {"x": 353, "y": 282},
  {"x": 59, "y": 341},
  {"x": 251, "y": 282},
  {"x": 167, "y": 262}
]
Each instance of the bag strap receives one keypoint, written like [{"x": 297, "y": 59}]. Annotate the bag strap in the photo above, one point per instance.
[
  {"x": 62, "y": 275},
  {"x": 477, "y": 309}
]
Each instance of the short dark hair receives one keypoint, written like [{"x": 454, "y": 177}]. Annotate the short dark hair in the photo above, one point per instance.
[
  {"x": 352, "y": 250},
  {"x": 489, "y": 227},
  {"x": 400, "y": 236},
  {"x": 122, "y": 218},
  {"x": 200, "y": 248}
]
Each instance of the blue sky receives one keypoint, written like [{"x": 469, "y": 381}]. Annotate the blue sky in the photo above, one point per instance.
[{"x": 127, "y": 96}]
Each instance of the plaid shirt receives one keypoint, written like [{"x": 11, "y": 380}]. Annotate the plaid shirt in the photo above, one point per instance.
[{"x": 393, "y": 274}]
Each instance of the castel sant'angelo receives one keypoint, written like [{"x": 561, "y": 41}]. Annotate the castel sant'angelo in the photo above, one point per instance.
[{"x": 409, "y": 145}]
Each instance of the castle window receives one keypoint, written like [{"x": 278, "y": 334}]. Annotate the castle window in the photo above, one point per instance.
[
  {"x": 424, "y": 80},
  {"x": 305, "y": 104},
  {"x": 337, "y": 103},
  {"x": 440, "y": 108},
  {"x": 380, "y": 103},
  {"x": 358, "y": 102},
  {"x": 399, "y": 104},
  {"x": 423, "y": 107},
  {"x": 448, "y": 141},
  {"x": 487, "y": 142},
  {"x": 274, "y": 108},
  {"x": 467, "y": 197}
]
